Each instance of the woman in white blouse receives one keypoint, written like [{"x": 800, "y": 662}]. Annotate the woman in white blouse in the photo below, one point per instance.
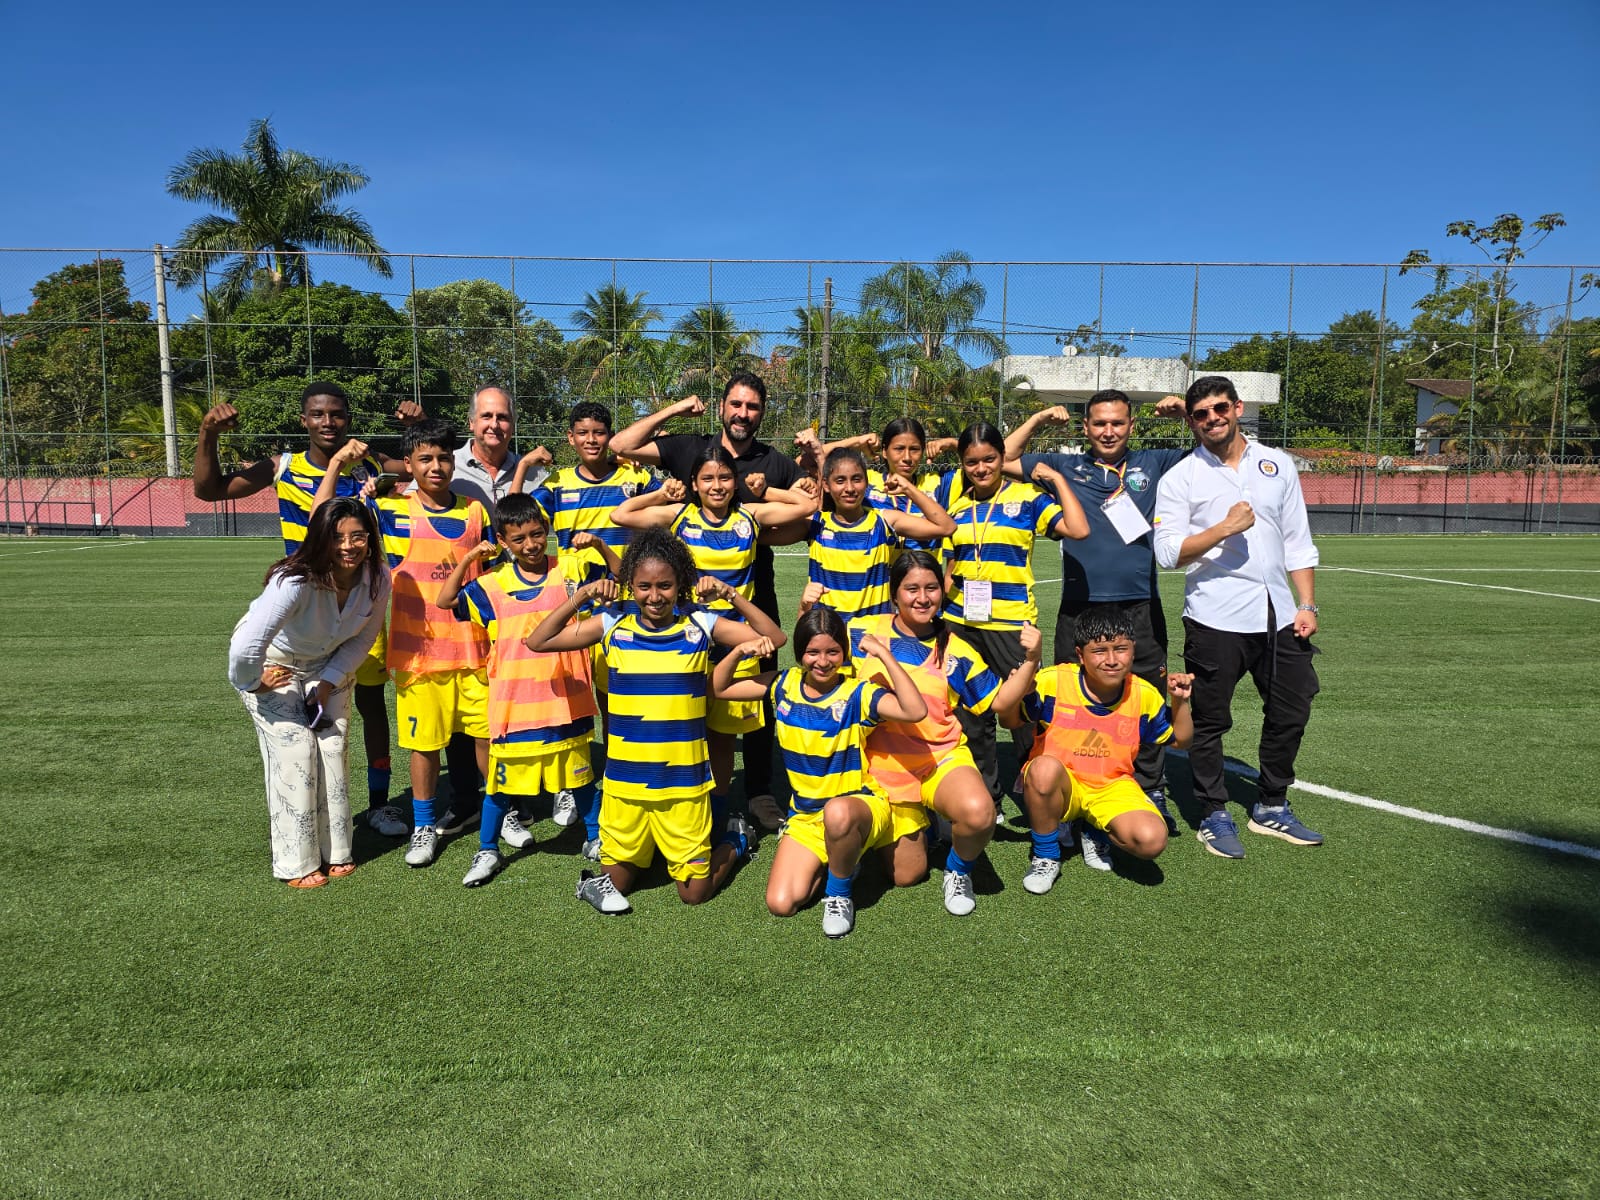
[{"x": 292, "y": 658}]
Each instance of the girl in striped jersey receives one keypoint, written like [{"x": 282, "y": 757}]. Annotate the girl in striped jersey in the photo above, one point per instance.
[
  {"x": 722, "y": 534},
  {"x": 656, "y": 790},
  {"x": 838, "y": 812},
  {"x": 853, "y": 546},
  {"x": 926, "y": 764},
  {"x": 989, "y": 569}
]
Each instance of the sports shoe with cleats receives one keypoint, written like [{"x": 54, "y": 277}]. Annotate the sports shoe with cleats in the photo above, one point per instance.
[
  {"x": 590, "y": 850},
  {"x": 514, "y": 832},
  {"x": 387, "y": 821},
  {"x": 564, "y": 811},
  {"x": 960, "y": 897},
  {"x": 838, "y": 915},
  {"x": 424, "y": 846},
  {"x": 1096, "y": 847},
  {"x": 486, "y": 864},
  {"x": 454, "y": 822},
  {"x": 1042, "y": 875},
  {"x": 1282, "y": 823},
  {"x": 1220, "y": 836},
  {"x": 599, "y": 891}
]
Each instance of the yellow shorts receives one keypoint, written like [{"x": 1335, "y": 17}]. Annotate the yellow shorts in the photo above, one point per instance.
[
  {"x": 542, "y": 774},
  {"x": 374, "y": 668},
  {"x": 905, "y": 820},
  {"x": 1101, "y": 804},
  {"x": 907, "y": 791},
  {"x": 432, "y": 707},
  {"x": 806, "y": 827},
  {"x": 631, "y": 831},
  {"x": 733, "y": 716},
  {"x": 597, "y": 669}
]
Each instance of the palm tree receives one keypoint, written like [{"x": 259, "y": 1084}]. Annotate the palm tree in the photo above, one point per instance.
[
  {"x": 935, "y": 309},
  {"x": 610, "y": 327},
  {"x": 143, "y": 441},
  {"x": 281, "y": 203},
  {"x": 716, "y": 342}
]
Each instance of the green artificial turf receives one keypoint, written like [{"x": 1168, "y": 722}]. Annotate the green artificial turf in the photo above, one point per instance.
[{"x": 1406, "y": 1011}]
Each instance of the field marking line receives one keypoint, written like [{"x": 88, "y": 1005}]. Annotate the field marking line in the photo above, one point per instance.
[
  {"x": 1492, "y": 587},
  {"x": 1245, "y": 771},
  {"x": 1501, "y": 570},
  {"x": 90, "y": 546}
]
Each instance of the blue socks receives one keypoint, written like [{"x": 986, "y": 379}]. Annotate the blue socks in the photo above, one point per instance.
[
  {"x": 834, "y": 886},
  {"x": 494, "y": 812},
  {"x": 957, "y": 865},
  {"x": 588, "y": 798},
  {"x": 378, "y": 783},
  {"x": 1048, "y": 845},
  {"x": 422, "y": 812}
]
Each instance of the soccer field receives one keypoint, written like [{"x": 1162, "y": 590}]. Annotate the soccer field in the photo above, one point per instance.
[{"x": 1409, "y": 1010}]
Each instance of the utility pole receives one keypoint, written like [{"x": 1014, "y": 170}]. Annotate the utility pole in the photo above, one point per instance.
[
  {"x": 827, "y": 337},
  {"x": 169, "y": 414}
]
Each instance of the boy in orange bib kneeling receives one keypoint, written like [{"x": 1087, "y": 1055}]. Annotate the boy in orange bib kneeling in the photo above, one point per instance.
[{"x": 1090, "y": 719}]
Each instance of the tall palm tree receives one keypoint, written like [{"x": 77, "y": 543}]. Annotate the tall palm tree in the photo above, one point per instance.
[
  {"x": 714, "y": 338},
  {"x": 281, "y": 201},
  {"x": 935, "y": 309},
  {"x": 610, "y": 327}
]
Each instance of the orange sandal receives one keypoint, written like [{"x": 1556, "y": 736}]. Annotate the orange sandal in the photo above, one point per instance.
[
  {"x": 340, "y": 870},
  {"x": 314, "y": 880}
]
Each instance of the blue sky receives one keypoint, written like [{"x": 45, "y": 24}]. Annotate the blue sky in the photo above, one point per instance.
[{"x": 1165, "y": 131}]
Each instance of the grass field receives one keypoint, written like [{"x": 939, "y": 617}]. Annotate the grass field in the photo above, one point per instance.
[{"x": 1410, "y": 1010}]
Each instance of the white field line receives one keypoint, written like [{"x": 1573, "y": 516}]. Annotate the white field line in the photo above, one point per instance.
[
  {"x": 1492, "y": 587},
  {"x": 1246, "y": 771},
  {"x": 90, "y": 546},
  {"x": 1503, "y": 570}
]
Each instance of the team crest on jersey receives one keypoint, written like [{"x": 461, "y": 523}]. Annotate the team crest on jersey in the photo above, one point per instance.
[
  {"x": 950, "y": 665},
  {"x": 1268, "y": 467},
  {"x": 1012, "y": 508},
  {"x": 837, "y": 709},
  {"x": 630, "y": 490},
  {"x": 693, "y": 635},
  {"x": 1137, "y": 480},
  {"x": 358, "y": 473},
  {"x": 742, "y": 527}
]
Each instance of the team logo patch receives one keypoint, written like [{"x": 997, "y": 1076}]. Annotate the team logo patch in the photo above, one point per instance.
[
  {"x": 742, "y": 527},
  {"x": 949, "y": 665},
  {"x": 358, "y": 473},
  {"x": 837, "y": 709},
  {"x": 630, "y": 490},
  {"x": 1268, "y": 467},
  {"x": 1012, "y": 508},
  {"x": 693, "y": 635},
  {"x": 1137, "y": 480}
]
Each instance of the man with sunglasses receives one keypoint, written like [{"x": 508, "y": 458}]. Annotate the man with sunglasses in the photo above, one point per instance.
[{"x": 1233, "y": 516}]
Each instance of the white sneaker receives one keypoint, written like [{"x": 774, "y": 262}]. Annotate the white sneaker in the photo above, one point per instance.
[
  {"x": 564, "y": 811},
  {"x": 1042, "y": 874},
  {"x": 485, "y": 866},
  {"x": 424, "y": 846},
  {"x": 590, "y": 849},
  {"x": 838, "y": 915},
  {"x": 514, "y": 832},
  {"x": 599, "y": 891},
  {"x": 959, "y": 896},
  {"x": 387, "y": 821},
  {"x": 1096, "y": 847}
]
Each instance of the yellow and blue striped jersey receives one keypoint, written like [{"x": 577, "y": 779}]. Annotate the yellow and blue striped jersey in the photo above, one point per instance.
[
  {"x": 657, "y": 680},
  {"x": 881, "y": 500},
  {"x": 297, "y": 479},
  {"x": 852, "y": 561},
  {"x": 822, "y": 738},
  {"x": 394, "y": 524},
  {"x": 575, "y": 503},
  {"x": 993, "y": 541},
  {"x": 725, "y": 548}
]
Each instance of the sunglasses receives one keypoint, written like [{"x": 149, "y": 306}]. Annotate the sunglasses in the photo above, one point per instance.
[{"x": 1220, "y": 409}]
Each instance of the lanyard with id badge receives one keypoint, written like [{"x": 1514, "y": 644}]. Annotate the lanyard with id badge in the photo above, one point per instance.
[
  {"x": 1120, "y": 509},
  {"x": 977, "y": 595}
]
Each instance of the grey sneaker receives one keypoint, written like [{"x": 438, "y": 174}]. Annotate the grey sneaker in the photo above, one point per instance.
[
  {"x": 960, "y": 898},
  {"x": 838, "y": 915},
  {"x": 454, "y": 822},
  {"x": 424, "y": 846},
  {"x": 564, "y": 811},
  {"x": 599, "y": 891},
  {"x": 1280, "y": 822},
  {"x": 1042, "y": 874},
  {"x": 514, "y": 832},
  {"x": 1158, "y": 797},
  {"x": 387, "y": 821},
  {"x": 1096, "y": 847},
  {"x": 485, "y": 866},
  {"x": 590, "y": 849}
]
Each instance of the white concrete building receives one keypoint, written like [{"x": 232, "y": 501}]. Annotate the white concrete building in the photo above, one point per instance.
[{"x": 1073, "y": 378}]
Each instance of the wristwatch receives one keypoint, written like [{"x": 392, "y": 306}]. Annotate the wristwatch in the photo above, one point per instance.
[{"x": 1310, "y": 608}]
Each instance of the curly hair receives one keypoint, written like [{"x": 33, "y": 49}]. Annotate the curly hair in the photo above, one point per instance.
[{"x": 663, "y": 546}]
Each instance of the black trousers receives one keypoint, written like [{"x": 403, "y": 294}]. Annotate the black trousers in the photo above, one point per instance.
[
  {"x": 1149, "y": 663},
  {"x": 1281, "y": 668},
  {"x": 1001, "y": 651}
]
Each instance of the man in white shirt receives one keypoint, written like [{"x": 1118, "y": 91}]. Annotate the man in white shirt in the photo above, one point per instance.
[{"x": 1232, "y": 515}]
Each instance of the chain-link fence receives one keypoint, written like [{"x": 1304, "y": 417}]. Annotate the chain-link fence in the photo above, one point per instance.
[{"x": 1442, "y": 398}]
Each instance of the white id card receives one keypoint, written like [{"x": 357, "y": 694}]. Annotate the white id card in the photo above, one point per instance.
[
  {"x": 977, "y": 600},
  {"x": 1125, "y": 517}
]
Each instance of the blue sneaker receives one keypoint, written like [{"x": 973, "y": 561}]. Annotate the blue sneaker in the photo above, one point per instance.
[
  {"x": 1220, "y": 836},
  {"x": 1280, "y": 822}
]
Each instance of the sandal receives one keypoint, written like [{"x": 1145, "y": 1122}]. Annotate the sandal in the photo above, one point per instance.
[
  {"x": 340, "y": 870},
  {"x": 314, "y": 880}
]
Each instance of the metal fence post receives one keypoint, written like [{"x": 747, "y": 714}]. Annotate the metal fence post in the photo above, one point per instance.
[
  {"x": 516, "y": 314},
  {"x": 1005, "y": 360},
  {"x": 105, "y": 393},
  {"x": 1288, "y": 361},
  {"x": 311, "y": 337},
  {"x": 416, "y": 353},
  {"x": 1564, "y": 393}
]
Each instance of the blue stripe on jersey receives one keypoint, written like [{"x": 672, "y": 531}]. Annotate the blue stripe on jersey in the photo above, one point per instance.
[
  {"x": 582, "y": 727},
  {"x": 641, "y": 729},
  {"x": 994, "y": 552},
  {"x": 660, "y": 683},
  {"x": 653, "y": 775}
]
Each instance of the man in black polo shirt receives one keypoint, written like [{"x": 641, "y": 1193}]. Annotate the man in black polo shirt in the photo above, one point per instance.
[{"x": 757, "y": 466}]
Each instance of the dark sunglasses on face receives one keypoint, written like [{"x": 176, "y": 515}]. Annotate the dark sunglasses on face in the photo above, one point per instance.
[{"x": 1220, "y": 409}]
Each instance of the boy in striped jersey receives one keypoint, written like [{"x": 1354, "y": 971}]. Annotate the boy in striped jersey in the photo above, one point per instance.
[{"x": 541, "y": 706}]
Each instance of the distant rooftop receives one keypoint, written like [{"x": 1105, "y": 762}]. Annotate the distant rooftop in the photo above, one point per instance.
[{"x": 1454, "y": 389}]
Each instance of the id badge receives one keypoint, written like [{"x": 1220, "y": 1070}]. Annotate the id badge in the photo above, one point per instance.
[
  {"x": 977, "y": 597},
  {"x": 1125, "y": 518}
]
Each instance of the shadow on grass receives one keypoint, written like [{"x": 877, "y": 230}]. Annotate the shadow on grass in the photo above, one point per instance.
[{"x": 1566, "y": 917}]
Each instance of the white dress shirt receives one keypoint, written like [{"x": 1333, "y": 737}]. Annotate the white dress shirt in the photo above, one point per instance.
[
  {"x": 298, "y": 625},
  {"x": 1230, "y": 586}
]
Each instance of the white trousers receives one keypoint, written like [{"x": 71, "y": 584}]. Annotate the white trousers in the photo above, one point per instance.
[{"x": 308, "y": 791}]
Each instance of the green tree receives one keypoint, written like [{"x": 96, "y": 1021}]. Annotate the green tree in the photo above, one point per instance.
[
  {"x": 715, "y": 342},
  {"x": 142, "y": 439},
  {"x": 281, "y": 203},
  {"x": 481, "y": 334},
  {"x": 936, "y": 309},
  {"x": 57, "y": 393},
  {"x": 611, "y": 325}
]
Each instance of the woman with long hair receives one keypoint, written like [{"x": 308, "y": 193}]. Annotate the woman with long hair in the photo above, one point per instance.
[{"x": 293, "y": 657}]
